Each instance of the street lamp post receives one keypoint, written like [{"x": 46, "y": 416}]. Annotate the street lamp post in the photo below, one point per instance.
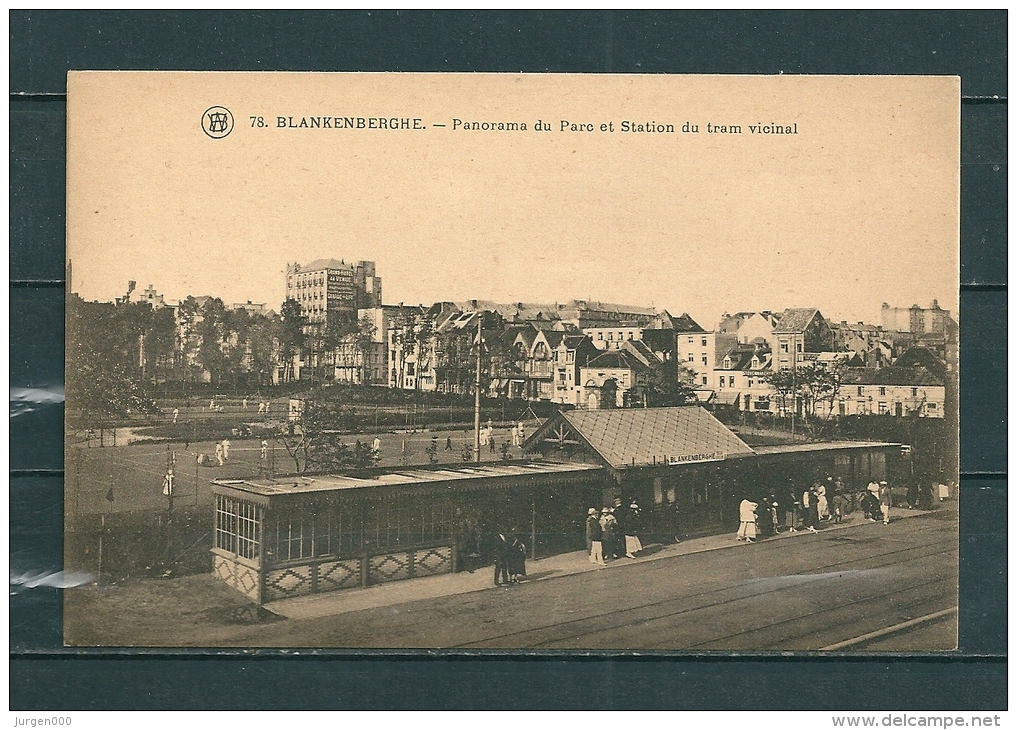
[{"x": 476, "y": 390}]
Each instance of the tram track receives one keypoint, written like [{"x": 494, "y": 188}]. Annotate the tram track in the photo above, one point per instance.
[
  {"x": 823, "y": 618},
  {"x": 616, "y": 624}
]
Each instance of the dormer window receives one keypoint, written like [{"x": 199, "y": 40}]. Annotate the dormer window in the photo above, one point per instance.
[{"x": 727, "y": 363}]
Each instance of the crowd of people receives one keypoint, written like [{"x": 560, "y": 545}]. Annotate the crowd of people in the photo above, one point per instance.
[
  {"x": 613, "y": 532},
  {"x": 509, "y": 558},
  {"x": 822, "y": 502}
]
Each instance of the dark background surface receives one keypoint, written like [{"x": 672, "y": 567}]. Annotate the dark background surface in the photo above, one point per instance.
[{"x": 45, "y": 45}]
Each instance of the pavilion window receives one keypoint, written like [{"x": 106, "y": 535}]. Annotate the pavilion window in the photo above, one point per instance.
[
  {"x": 236, "y": 527},
  {"x": 293, "y": 537}
]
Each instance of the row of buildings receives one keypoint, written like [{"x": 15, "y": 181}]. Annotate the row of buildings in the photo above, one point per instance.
[{"x": 596, "y": 355}]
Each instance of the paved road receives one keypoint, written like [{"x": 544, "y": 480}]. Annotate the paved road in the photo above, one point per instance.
[{"x": 800, "y": 594}]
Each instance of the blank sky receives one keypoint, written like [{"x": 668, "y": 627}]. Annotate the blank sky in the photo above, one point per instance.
[{"x": 858, "y": 208}]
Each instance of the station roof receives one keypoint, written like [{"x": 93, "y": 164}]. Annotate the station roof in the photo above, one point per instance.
[
  {"x": 639, "y": 437},
  {"x": 466, "y": 476},
  {"x": 820, "y": 446}
]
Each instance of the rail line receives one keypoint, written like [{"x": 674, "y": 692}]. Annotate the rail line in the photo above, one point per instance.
[{"x": 611, "y": 617}]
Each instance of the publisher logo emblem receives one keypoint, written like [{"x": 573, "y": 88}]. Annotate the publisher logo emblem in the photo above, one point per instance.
[{"x": 217, "y": 121}]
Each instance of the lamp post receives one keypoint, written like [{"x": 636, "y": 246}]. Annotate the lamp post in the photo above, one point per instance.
[{"x": 476, "y": 390}]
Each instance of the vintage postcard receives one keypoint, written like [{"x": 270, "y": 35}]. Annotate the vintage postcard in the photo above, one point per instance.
[{"x": 534, "y": 362}]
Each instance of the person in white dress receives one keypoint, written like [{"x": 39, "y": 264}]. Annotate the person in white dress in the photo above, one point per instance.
[{"x": 747, "y": 515}]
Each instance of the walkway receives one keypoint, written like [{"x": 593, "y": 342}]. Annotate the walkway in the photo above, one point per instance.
[{"x": 555, "y": 566}]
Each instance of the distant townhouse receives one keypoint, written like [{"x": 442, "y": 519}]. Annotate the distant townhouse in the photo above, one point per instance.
[
  {"x": 540, "y": 368},
  {"x": 745, "y": 327},
  {"x": 612, "y": 378},
  {"x": 152, "y": 297},
  {"x": 799, "y": 336},
  {"x": 588, "y": 314},
  {"x": 573, "y": 352},
  {"x": 613, "y": 337},
  {"x": 896, "y": 391},
  {"x": 411, "y": 355},
  {"x": 695, "y": 350},
  {"x": 361, "y": 357},
  {"x": 919, "y": 320},
  {"x": 664, "y": 345},
  {"x": 740, "y": 378}
]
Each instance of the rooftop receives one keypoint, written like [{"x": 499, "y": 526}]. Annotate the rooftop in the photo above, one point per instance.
[
  {"x": 616, "y": 360},
  {"x": 820, "y": 446},
  {"x": 685, "y": 324},
  {"x": 795, "y": 320},
  {"x": 889, "y": 376},
  {"x": 321, "y": 264},
  {"x": 399, "y": 478},
  {"x": 637, "y": 437}
]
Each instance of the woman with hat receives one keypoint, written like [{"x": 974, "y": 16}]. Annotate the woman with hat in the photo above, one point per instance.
[
  {"x": 609, "y": 530},
  {"x": 747, "y": 515}
]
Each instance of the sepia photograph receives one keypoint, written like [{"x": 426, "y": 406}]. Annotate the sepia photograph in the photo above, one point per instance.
[{"x": 531, "y": 362}]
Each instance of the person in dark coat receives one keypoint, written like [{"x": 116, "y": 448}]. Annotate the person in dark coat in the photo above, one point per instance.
[
  {"x": 767, "y": 516},
  {"x": 912, "y": 495},
  {"x": 502, "y": 548},
  {"x": 594, "y": 537},
  {"x": 793, "y": 510},
  {"x": 620, "y": 514},
  {"x": 633, "y": 526},
  {"x": 516, "y": 561},
  {"x": 810, "y": 509}
]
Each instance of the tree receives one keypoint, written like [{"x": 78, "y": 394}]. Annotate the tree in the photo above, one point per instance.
[
  {"x": 213, "y": 335},
  {"x": 423, "y": 344},
  {"x": 320, "y": 446},
  {"x": 160, "y": 342},
  {"x": 662, "y": 389},
  {"x": 291, "y": 335},
  {"x": 366, "y": 331},
  {"x": 103, "y": 375},
  {"x": 784, "y": 384},
  {"x": 807, "y": 387},
  {"x": 188, "y": 314},
  {"x": 263, "y": 344},
  {"x": 819, "y": 385},
  {"x": 403, "y": 341}
]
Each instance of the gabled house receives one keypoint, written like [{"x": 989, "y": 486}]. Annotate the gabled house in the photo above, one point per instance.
[
  {"x": 799, "y": 334},
  {"x": 695, "y": 350},
  {"x": 540, "y": 364},
  {"x": 573, "y": 352},
  {"x": 740, "y": 378},
  {"x": 610, "y": 378}
]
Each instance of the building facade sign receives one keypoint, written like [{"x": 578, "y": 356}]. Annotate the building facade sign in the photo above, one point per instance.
[{"x": 695, "y": 458}]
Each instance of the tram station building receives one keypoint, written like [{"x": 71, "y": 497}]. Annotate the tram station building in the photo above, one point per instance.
[{"x": 305, "y": 534}]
